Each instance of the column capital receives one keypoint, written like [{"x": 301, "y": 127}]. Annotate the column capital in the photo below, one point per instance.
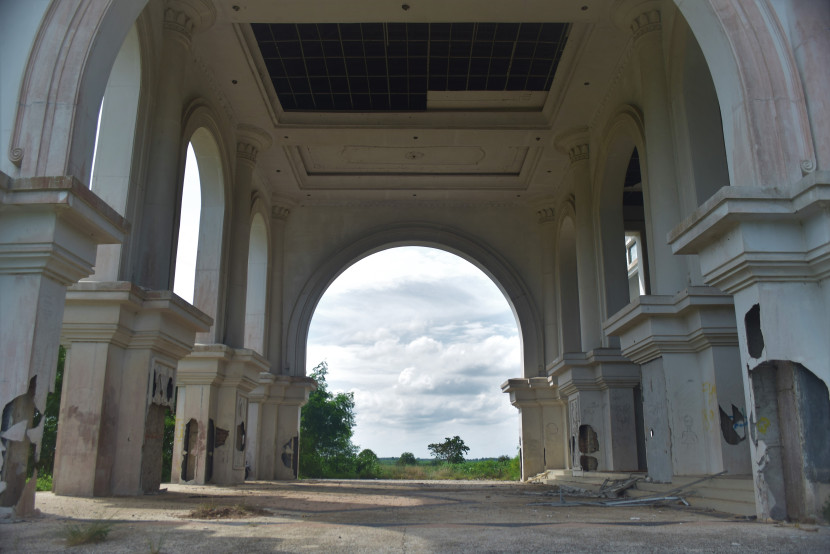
[
  {"x": 546, "y": 214},
  {"x": 639, "y": 16},
  {"x": 575, "y": 143},
  {"x": 250, "y": 141},
  {"x": 188, "y": 16},
  {"x": 645, "y": 23},
  {"x": 281, "y": 207}
]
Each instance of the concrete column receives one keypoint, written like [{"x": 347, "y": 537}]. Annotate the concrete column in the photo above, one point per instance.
[
  {"x": 542, "y": 424},
  {"x": 602, "y": 427},
  {"x": 217, "y": 381},
  {"x": 157, "y": 230},
  {"x": 250, "y": 142},
  {"x": 668, "y": 273},
  {"x": 50, "y": 228},
  {"x": 547, "y": 228},
  {"x": 279, "y": 216},
  {"x": 769, "y": 250},
  {"x": 694, "y": 410},
  {"x": 294, "y": 398},
  {"x": 576, "y": 144},
  {"x": 259, "y": 454},
  {"x": 123, "y": 345}
]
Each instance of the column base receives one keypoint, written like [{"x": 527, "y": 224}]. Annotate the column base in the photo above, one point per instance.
[
  {"x": 602, "y": 422},
  {"x": 123, "y": 344},
  {"x": 542, "y": 415}
]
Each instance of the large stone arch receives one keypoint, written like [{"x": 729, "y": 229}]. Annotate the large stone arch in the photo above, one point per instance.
[
  {"x": 446, "y": 238},
  {"x": 765, "y": 120},
  {"x": 63, "y": 83}
]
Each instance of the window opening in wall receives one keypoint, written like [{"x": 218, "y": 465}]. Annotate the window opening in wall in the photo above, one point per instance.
[
  {"x": 635, "y": 229},
  {"x": 187, "y": 249},
  {"x": 636, "y": 275},
  {"x": 424, "y": 339}
]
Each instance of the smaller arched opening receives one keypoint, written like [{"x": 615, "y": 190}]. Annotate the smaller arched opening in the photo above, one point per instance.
[
  {"x": 112, "y": 158},
  {"x": 197, "y": 276},
  {"x": 256, "y": 292},
  {"x": 622, "y": 215},
  {"x": 568, "y": 287}
]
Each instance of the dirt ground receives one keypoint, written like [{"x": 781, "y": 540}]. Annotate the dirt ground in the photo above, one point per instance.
[{"x": 395, "y": 516}]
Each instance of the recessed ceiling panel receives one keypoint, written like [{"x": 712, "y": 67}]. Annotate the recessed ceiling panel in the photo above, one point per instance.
[{"x": 391, "y": 66}]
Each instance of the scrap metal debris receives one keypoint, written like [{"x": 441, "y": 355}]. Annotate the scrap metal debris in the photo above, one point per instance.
[{"x": 617, "y": 488}]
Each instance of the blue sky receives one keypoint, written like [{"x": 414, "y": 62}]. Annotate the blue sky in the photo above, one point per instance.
[{"x": 423, "y": 339}]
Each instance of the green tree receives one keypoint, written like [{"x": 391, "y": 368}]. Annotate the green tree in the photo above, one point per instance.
[
  {"x": 326, "y": 424},
  {"x": 45, "y": 465},
  {"x": 452, "y": 450},
  {"x": 367, "y": 464},
  {"x": 407, "y": 459}
]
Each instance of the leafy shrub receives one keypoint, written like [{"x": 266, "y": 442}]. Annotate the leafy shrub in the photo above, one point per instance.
[{"x": 407, "y": 459}]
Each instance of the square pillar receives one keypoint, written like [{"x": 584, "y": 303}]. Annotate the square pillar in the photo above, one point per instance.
[
  {"x": 602, "y": 423},
  {"x": 212, "y": 417},
  {"x": 295, "y": 396},
  {"x": 768, "y": 248},
  {"x": 123, "y": 344},
  {"x": 50, "y": 228},
  {"x": 542, "y": 424},
  {"x": 694, "y": 410}
]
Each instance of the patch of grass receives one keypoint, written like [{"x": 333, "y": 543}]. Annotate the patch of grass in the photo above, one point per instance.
[
  {"x": 86, "y": 533},
  {"x": 211, "y": 510},
  {"x": 504, "y": 468}
]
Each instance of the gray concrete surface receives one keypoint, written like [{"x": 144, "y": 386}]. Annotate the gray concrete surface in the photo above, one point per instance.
[{"x": 397, "y": 516}]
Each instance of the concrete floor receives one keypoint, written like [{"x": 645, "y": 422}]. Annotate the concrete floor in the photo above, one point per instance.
[{"x": 397, "y": 516}]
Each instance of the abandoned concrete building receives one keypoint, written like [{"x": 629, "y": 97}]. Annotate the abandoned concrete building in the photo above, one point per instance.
[{"x": 647, "y": 181}]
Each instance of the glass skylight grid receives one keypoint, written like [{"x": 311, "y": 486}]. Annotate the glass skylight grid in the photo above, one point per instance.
[{"x": 391, "y": 66}]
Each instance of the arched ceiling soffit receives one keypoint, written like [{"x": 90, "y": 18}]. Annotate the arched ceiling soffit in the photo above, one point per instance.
[{"x": 493, "y": 264}]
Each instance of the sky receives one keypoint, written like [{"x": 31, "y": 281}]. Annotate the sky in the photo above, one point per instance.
[
  {"x": 183, "y": 282},
  {"x": 422, "y": 337},
  {"x": 424, "y": 340}
]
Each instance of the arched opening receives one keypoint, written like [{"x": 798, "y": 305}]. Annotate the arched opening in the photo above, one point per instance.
[
  {"x": 256, "y": 291},
  {"x": 424, "y": 339},
  {"x": 112, "y": 158},
  {"x": 201, "y": 228},
  {"x": 568, "y": 285},
  {"x": 706, "y": 150},
  {"x": 187, "y": 248}
]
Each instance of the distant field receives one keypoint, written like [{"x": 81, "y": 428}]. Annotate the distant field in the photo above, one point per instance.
[{"x": 505, "y": 469}]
